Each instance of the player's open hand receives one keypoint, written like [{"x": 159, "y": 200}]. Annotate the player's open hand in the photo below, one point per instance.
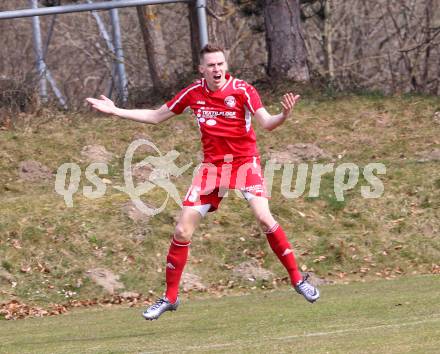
[
  {"x": 102, "y": 104},
  {"x": 288, "y": 102}
]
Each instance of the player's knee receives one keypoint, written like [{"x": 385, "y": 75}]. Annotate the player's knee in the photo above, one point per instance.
[
  {"x": 266, "y": 221},
  {"x": 183, "y": 233}
]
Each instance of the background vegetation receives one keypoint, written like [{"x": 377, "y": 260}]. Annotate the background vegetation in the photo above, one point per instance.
[
  {"x": 370, "y": 94},
  {"x": 390, "y": 46},
  {"x": 46, "y": 248}
]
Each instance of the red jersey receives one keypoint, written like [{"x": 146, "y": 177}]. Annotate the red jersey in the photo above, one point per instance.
[{"x": 223, "y": 117}]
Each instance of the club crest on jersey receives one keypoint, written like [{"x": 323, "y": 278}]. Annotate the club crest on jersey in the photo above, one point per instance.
[{"x": 230, "y": 101}]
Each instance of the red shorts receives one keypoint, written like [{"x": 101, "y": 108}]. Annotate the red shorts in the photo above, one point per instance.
[{"x": 212, "y": 181}]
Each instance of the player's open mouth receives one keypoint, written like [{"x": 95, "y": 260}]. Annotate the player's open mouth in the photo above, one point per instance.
[{"x": 217, "y": 77}]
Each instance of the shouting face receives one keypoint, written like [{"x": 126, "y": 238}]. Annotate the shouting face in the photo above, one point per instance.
[{"x": 213, "y": 68}]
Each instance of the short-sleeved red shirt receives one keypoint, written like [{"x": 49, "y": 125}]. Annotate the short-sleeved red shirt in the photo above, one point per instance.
[{"x": 223, "y": 117}]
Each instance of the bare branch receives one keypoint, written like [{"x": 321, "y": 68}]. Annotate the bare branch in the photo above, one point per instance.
[{"x": 428, "y": 41}]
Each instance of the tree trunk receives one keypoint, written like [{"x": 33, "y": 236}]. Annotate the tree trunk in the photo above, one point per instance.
[
  {"x": 155, "y": 48},
  {"x": 428, "y": 39},
  {"x": 285, "y": 41},
  {"x": 220, "y": 26},
  {"x": 195, "y": 38},
  {"x": 328, "y": 41}
]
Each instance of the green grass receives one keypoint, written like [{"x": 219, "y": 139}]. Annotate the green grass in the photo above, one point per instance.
[
  {"x": 398, "y": 316},
  {"x": 363, "y": 238}
]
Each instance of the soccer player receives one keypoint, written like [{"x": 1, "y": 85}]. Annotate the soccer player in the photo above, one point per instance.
[{"x": 223, "y": 106}]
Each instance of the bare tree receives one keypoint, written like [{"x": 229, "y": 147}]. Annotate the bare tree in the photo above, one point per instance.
[
  {"x": 220, "y": 27},
  {"x": 386, "y": 45},
  {"x": 194, "y": 34},
  {"x": 287, "y": 57},
  {"x": 155, "y": 47}
]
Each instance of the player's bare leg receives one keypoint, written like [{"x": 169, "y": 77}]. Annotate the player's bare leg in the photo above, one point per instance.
[
  {"x": 282, "y": 248},
  {"x": 176, "y": 260},
  {"x": 188, "y": 221}
]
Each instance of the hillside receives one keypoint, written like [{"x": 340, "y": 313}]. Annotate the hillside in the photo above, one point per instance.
[{"x": 47, "y": 248}]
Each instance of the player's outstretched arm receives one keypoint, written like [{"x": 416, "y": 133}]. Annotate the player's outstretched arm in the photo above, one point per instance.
[
  {"x": 149, "y": 116},
  {"x": 270, "y": 122}
]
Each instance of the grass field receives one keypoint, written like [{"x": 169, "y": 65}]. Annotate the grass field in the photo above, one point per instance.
[
  {"x": 46, "y": 249},
  {"x": 395, "y": 316}
]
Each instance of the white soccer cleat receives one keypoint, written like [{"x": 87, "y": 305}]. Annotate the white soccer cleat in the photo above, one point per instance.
[
  {"x": 310, "y": 293},
  {"x": 159, "y": 307}
]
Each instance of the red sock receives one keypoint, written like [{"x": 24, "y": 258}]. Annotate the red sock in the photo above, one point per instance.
[
  {"x": 283, "y": 249},
  {"x": 176, "y": 260}
]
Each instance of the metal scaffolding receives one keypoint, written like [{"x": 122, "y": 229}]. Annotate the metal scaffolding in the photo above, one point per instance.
[
  {"x": 115, "y": 46},
  {"x": 62, "y": 9}
]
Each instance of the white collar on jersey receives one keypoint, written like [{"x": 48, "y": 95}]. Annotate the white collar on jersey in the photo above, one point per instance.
[{"x": 228, "y": 78}]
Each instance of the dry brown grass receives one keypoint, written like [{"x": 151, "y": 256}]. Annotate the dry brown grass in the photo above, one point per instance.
[{"x": 47, "y": 247}]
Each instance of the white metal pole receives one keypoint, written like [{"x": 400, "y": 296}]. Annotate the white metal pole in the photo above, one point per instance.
[
  {"x": 104, "y": 5},
  {"x": 102, "y": 29},
  {"x": 108, "y": 41},
  {"x": 38, "y": 48},
  {"x": 49, "y": 36},
  {"x": 119, "y": 53},
  {"x": 203, "y": 26},
  {"x": 55, "y": 89}
]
